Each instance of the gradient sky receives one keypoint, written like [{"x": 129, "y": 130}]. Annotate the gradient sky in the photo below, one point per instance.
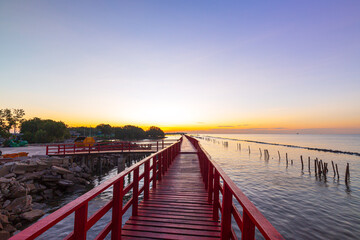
[{"x": 207, "y": 66}]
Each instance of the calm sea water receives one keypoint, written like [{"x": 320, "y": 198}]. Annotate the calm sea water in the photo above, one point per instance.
[{"x": 296, "y": 202}]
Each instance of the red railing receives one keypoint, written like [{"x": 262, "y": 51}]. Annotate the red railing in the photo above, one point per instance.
[
  {"x": 72, "y": 148},
  {"x": 151, "y": 174},
  {"x": 251, "y": 217}
]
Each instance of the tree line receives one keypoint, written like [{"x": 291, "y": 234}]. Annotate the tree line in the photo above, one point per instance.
[{"x": 38, "y": 130}]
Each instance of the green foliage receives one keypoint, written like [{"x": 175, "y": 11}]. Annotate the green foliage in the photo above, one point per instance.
[
  {"x": 105, "y": 129},
  {"x": 155, "y": 132},
  {"x": 129, "y": 132},
  {"x": 8, "y": 119},
  {"x": 42, "y": 131}
]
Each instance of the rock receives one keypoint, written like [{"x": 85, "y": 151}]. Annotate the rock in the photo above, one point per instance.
[
  {"x": 48, "y": 194},
  {"x": 32, "y": 215},
  {"x": 19, "y": 168},
  {"x": 1, "y": 226},
  {"x": 4, "y": 235},
  {"x": 31, "y": 187},
  {"x": 10, "y": 175},
  {"x": 18, "y": 225},
  {"x": 77, "y": 169},
  {"x": 5, "y": 180},
  {"x": 17, "y": 190},
  {"x": 9, "y": 228},
  {"x": 50, "y": 178},
  {"x": 30, "y": 176},
  {"x": 65, "y": 183},
  {"x": 6, "y": 203},
  {"x": 41, "y": 165},
  {"x": 58, "y": 193},
  {"x": 60, "y": 170},
  {"x": 70, "y": 177},
  {"x": 21, "y": 203},
  {"x": 5, "y": 169},
  {"x": 37, "y": 198},
  {"x": 4, "y": 219},
  {"x": 36, "y": 205}
]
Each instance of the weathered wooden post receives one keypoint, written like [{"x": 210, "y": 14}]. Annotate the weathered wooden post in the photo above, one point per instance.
[
  {"x": 279, "y": 156},
  {"x": 121, "y": 164},
  {"x": 302, "y": 163},
  {"x": 347, "y": 174}
]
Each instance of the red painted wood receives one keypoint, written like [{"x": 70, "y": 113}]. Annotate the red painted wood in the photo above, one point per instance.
[
  {"x": 117, "y": 209},
  {"x": 226, "y": 213},
  {"x": 248, "y": 229},
  {"x": 135, "y": 192},
  {"x": 210, "y": 183},
  {"x": 216, "y": 196},
  {"x": 154, "y": 172},
  {"x": 146, "y": 180},
  {"x": 80, "y": 222}
]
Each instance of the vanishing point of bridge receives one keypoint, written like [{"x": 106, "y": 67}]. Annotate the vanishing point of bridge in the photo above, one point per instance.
[{"x": 186, "y": 195}]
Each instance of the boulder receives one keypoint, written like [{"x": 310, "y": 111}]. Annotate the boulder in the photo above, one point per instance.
[
  {"x": 6, "y": 203},
  {"x": 30, "y": 176},
  {"x": 60, "y": 170},
  {"x": 41, "y": 165},
  {"x": 4, "y": 235},
  {"x": 51, "y": 178},
  {"x": 21, "y": 203},
  {"x": 17, "y": 190},
  {"x": 9, "y": 228},
  {"x": 5, "y": 169},
  {"x": 5, "y": 180},
  {"x": 65, "y": 183},
  {"x": 31, "y": 187},
  {"x": 32, "y": 215},
  {"x": 48, "y": 194},
  {"x": 10, "y": 175},
  {"x": 4, "y": 219}
]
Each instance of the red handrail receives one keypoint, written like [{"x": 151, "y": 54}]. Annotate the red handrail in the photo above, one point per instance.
[
  {"x": 251, "y": 218},
  {"x": 72, "y": 148},
  {"x": 160, "y": 160}
]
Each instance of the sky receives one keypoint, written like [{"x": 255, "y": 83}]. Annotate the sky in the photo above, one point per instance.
[{"x": 196, "y": 66}]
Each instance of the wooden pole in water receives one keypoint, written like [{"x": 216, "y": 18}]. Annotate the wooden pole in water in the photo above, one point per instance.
[
  {"x": 347, "y": 173},
  {"x": 309, "y": 163},
  {"x": 292, "y": 162},
  {"x": 249, "y": 149},
  {"x": 286, "y": 159},
  {"x": 302, "y": 163},
  {"x": 315, "y": 164},
  {"x": 337, "y": 171},
  {"x": 260, "y": 152},
  {"x": 279, "y": 155}
]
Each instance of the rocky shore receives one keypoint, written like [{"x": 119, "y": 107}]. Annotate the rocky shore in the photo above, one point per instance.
[{"x": 26, "y": 185}]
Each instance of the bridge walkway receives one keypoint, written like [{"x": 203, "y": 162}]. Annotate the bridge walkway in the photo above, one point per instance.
[{"x": 178, "y": 207}]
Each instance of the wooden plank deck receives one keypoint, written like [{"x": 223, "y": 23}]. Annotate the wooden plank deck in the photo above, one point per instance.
[{"x": 178, "y": 207}]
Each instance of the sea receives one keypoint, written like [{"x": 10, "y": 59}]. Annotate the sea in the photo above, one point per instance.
[{"x": 298, "y": 203}]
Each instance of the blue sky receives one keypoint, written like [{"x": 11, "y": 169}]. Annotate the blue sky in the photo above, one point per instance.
[{"x": 185, "y": 64}]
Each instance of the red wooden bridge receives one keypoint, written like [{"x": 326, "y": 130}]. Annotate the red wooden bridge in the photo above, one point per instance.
[
  {"x": 186, "y": 195},
  {"x": 106, "y": 147}
]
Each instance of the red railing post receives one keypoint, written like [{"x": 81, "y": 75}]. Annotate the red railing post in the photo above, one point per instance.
[
  {"x": 210, "y": 183},
  {"x": 74, "y": 148},
  {"x": 216, "y": 196},
  {"x": 157, "y": 145},
  {"x": 248, "y": 231},
  {"x": 160, "y": 167},
  {"x": 162, "y": 144},
  {"x": 80, "y": 222},
  {"x": 129, "y": 146},
  {"x": 206, "y": 170},
  {"x": 135, "y": 192},
  {"x": 89, "y": 148},
  {"x": 117, "y": 209},
  {"x": 146, "y": 180},
  {"x": 58, "y": 149},
  {"x": 226, "y": 213},
  {"x": 154, "y": 172},
  {"x": 47, "y": 150},
  {"x": 64, "y": 149}
]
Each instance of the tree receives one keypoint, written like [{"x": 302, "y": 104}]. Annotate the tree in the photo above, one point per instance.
[
  {"x": 155, "y": 132},
  {"x": 9, "y": 119},
  {"x": 105, "y": 129},
  {"x": 129, "y": 132},
  {"x": 41, "y": 131}
]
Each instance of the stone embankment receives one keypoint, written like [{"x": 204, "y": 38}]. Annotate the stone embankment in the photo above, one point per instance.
[{"x": 25, "y": 186}]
